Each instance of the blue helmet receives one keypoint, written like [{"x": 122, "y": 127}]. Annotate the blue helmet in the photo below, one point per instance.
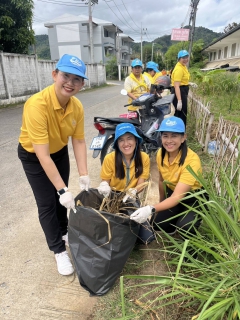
[
  {"x": 182, "y": 53},
  {"x": 123, "y": 128},
  {"x": 136, "y": 62},
  {"x": 172, "y": 124}
]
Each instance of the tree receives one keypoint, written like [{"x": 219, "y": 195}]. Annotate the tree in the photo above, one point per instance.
[
  {"x": 16, "y": 34},
  {"x": 230, "y": 26}
]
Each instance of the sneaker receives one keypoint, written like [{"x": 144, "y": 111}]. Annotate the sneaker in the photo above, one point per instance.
[
  {"x": 65, "y": 238},
  {"x": 64, "y": 264}
]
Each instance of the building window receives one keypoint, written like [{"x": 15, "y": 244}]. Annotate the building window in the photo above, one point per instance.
[
  {"x": 225, "y": 52},
  {"x": 106, "y": 33},
  {"x": 210, "y": 57},
  {"x": 219, "y": 54},
  {"x": 233, "y": 52},
  {"x": 214, "y": 55}
]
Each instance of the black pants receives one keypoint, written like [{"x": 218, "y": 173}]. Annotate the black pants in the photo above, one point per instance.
[
  {"x": 186, "y": 222},
  {"x": 184, "y": 95},
  {"x": 52, "y": 215}
]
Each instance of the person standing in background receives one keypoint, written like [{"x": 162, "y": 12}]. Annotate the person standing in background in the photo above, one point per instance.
[
  {"x": 180, "y": 85},
  {"x": 136, "y": 83},
  {"x": 49, "y": 118}
]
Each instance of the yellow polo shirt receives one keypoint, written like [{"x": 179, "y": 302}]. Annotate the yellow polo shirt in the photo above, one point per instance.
[
  {"x": 155, "y": 78},
  {"x": 151, "y": 79},
  {"x": 175, "y": 173},
  {"x": 108, "y": 172},
  {"x": 180, "y": 74},
  {"x": 45, "y": 122}
]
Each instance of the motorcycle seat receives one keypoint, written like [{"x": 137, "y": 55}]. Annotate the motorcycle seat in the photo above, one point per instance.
[{"x": 118, "y": 120}]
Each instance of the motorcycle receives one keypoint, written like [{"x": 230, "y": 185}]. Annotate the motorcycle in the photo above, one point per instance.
[{"x": 152, "y": 108}]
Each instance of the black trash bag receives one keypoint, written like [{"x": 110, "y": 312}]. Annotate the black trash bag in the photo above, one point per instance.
[{"x": 100, "y": 243}]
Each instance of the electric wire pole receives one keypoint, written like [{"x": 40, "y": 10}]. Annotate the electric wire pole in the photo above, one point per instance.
[
  {"x": 90, "y": 31},
  {"x": 192, "y": 20}
]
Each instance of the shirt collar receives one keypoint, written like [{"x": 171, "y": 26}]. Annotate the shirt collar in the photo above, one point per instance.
[{"x": 56, "y": 104}]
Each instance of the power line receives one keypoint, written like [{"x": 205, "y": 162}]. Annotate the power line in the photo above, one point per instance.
[
  {"x": 130, "y": 16},
  {"x": 70, "y": 4}
]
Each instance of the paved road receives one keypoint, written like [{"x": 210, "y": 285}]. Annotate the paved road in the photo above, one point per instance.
[{"x": 30, "y": 287}]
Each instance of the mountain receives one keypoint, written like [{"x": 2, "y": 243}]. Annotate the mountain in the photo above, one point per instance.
[
  {"x": 165, "y": 41},
  {"x": 42, "y": 47}
]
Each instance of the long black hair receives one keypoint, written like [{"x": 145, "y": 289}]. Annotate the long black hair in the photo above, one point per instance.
[
  {"x": 119, "y": 168},
  {"x": 183, "y": 147}
]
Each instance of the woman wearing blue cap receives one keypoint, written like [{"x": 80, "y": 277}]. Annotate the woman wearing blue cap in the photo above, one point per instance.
[
  {"x": 180, "y": 85},
  {"x": 127, "y": 166},
  {"x": 136, "y": 83},
  {"x": 151, "y": 71},
  {"x": 172, "y": 160},
  {"x": 50, "y": 117}
]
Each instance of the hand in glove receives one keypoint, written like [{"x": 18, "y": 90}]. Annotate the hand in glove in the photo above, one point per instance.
[
  {"x": 130, "y": 194},
  {"x": 104, "y": 189},
  {"x": 84, "y": 182},
  {"x": 141, "y": 215},
  {"x": 192, "y": 84},
  {"x": 179, "y": 105},
  {"x": 66, "y": 199}
]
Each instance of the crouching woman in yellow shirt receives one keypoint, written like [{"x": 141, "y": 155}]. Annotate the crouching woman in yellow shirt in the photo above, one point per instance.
[
  {"x": 172, "y": 160},
  {"x": 127, "y": 167}
]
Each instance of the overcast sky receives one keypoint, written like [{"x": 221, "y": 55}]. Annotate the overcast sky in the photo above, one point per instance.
[{"x": 159, "y": 17}]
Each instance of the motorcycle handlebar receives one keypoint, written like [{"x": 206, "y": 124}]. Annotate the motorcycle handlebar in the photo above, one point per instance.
[{"x": 126, "y": 105}]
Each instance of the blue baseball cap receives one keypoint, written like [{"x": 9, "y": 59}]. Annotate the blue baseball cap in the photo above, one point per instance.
[
  {"x": 72, "y": 64},
  {"x": 123, "y": 128},
  {"x": 136, "y": 62},
  {"x": 152, "y": 65},
  {"x": 182, "y": 53},
  {"x": 172, "y": 124}
]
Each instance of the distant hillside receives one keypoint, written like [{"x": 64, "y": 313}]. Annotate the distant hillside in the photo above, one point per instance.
[
  {"x": 42, "y": 47},
  {"x": 43, "y": 51},
  {"x": 165, "y": 41}
]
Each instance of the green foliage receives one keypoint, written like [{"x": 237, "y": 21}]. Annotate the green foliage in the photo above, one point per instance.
[
  {"x": 230, "y": 26},
  {"x": 16, "y": 32},
  {"x": 208, "y": 286},
  {"x": 42, "y": 47},
  {"x": 112, "y": 68}
]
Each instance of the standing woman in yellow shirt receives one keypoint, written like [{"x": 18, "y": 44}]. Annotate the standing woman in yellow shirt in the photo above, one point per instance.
[
  {"x": 180, "y": 85},
  {"x": 49, "y": 118},
  {"x": 172, "y": 160}
]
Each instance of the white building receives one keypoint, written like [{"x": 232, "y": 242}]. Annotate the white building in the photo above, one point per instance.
[
  {"x": 225, "y": 51},
  {"x": 70, "y": 34}
]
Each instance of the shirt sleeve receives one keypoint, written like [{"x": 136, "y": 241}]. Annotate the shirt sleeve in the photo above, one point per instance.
[
  {"x": 146, "y": 166},
  {"x": 79, "y": 130},
  {"x": 128, "y": 84},
  {"x": 107, "y": 169},
  {"x": 36, "y": 124},
  {"x": 178, "y": 75},
  {"x": 186, "y": 177}
]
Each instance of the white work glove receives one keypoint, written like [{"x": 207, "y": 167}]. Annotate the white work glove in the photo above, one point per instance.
[
  {"x": 192, "y": 84},
  {"x": 130, "y": 194},
  {"x": 66, "y": 199},
  {"x": 104, "y": 189},
  {"x": 141, "y": 215},
  {"x": 84, "y": 182},
  {"x": 179, "y": 105}
]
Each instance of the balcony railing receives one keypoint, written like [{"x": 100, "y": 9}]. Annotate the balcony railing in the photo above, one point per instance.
[{"x": 108, "y": 42}]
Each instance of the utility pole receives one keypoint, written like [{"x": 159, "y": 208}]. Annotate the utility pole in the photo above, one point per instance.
[
  {"x": 143, "y": 31},
  {"x": 90, "y": 31},
  {"x": 118, "y": 49},
  {"x": 192, "y": 19},
  {"x": 152, "y": 50}
]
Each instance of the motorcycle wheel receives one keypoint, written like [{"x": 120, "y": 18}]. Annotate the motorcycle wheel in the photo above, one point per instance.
[{"x": 108, "y": 147}]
